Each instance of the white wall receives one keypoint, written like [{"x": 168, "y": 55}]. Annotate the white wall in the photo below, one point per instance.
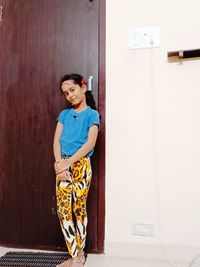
[{"x": 153, "y": 129}]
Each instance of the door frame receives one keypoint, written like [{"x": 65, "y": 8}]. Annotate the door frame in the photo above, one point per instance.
[
  {"x": 101, "y": 109},
  {"x": 101, "y": 138}
]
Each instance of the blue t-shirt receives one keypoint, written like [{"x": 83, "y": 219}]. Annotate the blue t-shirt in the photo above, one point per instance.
[{"x": 75, "y": 129}]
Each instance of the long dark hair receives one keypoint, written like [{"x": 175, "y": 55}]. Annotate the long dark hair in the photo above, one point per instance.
[{"x": 77, "y": 78}]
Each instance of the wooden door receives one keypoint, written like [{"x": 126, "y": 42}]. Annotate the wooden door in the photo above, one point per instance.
[{"x": 40, "y": 41}]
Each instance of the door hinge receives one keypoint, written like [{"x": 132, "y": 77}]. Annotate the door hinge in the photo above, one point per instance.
[{"x": 1, "y": 13}]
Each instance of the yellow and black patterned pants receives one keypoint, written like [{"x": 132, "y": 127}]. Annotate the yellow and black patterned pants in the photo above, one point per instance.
[{"x": 71, "y": 202}]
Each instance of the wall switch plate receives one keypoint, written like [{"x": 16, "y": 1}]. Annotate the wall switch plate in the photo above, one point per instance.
[
  {"x": 143, "y": 229},
  {"x": 143, "y": 38}
]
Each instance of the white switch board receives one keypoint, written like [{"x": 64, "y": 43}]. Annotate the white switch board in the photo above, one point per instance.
[
  {"x": 143, "y": 229},
  {"x": 143, "y": 38}
]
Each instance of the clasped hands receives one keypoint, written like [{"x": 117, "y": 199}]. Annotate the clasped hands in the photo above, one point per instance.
[{"x": 62, "y": 170}]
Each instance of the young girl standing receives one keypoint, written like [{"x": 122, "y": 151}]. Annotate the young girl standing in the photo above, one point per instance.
[{"x": 74, "y": 142}]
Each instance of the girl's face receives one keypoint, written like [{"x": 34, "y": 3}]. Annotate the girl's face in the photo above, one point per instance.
[{"x": 74, "y": 94}]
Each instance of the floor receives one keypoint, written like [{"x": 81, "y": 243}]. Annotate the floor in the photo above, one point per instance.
[{"x": 106, "y": 261}]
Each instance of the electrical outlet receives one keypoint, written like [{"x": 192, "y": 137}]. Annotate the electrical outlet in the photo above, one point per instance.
[{"x": 143, "y": 229}]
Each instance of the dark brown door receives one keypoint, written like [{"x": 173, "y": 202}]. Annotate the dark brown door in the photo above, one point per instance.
[{"x": 40, "y": 41}]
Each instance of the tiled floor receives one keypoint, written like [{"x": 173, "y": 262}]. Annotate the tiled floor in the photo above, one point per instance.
[{"x": 106, "y": 261}]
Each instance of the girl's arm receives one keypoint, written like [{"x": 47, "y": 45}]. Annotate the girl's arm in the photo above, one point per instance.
[
  {"x": 56, "y": 143},
  {"x": 62, "y": 176},
  {"x": 83, "y": 151}
]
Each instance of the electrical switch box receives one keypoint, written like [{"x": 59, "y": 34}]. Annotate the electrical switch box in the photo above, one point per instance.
[
  {"x": 143, "y": 38},
  {"x": 143, "y": 229}
]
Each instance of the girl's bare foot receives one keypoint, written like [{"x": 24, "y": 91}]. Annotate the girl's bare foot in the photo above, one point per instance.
[
  {"x": 76, "y": 262},
  {"x": 82, "y": 257},
  {"x": 66, "y": 263}
]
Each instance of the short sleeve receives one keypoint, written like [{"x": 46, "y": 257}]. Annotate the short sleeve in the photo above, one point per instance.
[
  {"x": 94, "y": 119},
  {"x": 61, "y": 117}
]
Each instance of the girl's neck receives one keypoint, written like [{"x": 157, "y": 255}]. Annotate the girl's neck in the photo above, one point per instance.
[{"x": 80, "y": 107}]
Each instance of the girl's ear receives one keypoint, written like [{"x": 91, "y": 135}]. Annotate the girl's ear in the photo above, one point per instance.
[{"x": 84, "y": 88}]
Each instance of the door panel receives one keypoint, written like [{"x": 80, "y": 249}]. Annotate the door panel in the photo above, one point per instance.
[{"x": 41, "y": 41}]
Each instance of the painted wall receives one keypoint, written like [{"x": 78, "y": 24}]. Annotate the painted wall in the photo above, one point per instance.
[{"x": 153, "y": 130}]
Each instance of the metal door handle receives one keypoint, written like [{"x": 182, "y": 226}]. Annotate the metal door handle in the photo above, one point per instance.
[
  {"x": 90, "y": 83},
  {"x": 1, "y": 12}
]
